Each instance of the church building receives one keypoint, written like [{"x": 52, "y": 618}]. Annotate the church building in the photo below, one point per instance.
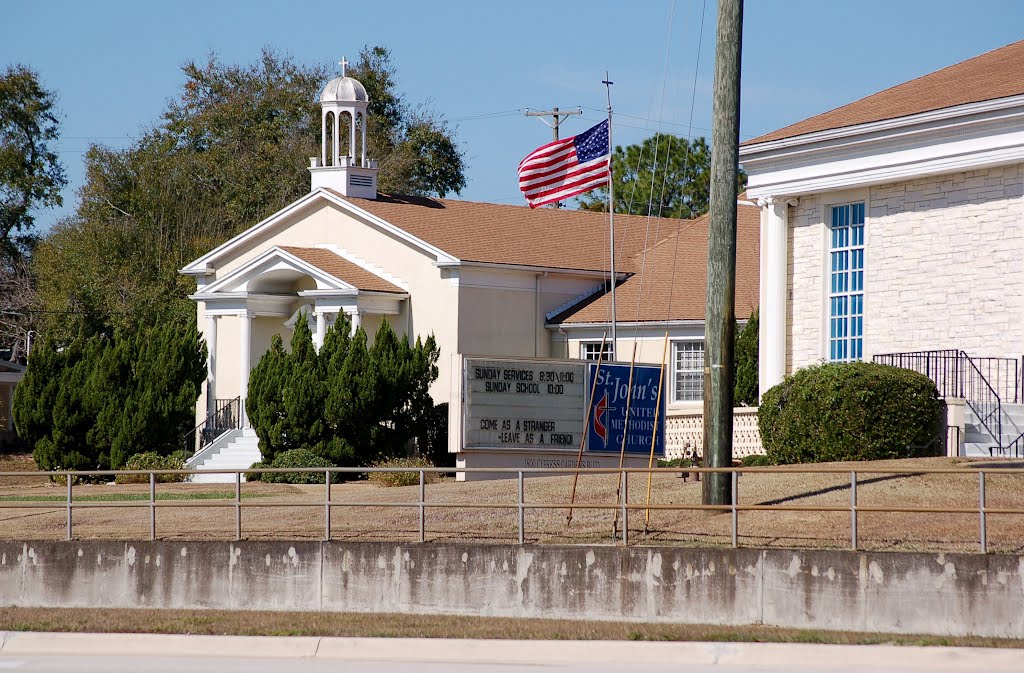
[{"x": 484, "y": 279}]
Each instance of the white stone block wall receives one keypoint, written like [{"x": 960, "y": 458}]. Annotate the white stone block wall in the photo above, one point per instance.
[
  {"x": 805, "y": 343},
  {"x": 944, "y": 267}
]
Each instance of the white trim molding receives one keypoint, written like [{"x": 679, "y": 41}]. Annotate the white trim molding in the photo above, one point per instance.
[
  {"x": 960, "y": 138},
  {"x": 207, "y": 264}
]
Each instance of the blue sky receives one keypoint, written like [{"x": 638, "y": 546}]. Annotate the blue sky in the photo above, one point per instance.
[{"x": 115, "y": 64}]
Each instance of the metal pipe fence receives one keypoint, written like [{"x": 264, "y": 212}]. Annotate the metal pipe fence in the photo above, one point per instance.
[{"x": 621, "y": 507}]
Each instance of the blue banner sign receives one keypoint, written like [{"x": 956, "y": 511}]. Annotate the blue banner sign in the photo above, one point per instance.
[{"x": 608, "y": 414}]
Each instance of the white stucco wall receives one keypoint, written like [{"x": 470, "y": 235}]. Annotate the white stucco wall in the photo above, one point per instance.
[
  {"x": 433, "y": 307},
  {"x": 943, "y": 269},
  {"x": 503, "y": 312}
]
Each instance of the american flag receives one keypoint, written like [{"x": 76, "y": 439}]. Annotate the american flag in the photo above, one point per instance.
[{"x": 565, "y": 168}]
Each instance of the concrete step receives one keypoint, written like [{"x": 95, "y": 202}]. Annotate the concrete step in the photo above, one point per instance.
[{"x": 237, "y": 452}]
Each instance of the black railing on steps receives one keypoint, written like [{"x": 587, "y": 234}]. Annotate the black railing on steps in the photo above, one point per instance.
[
  {"x": 226, "y": 416},
  {"x": 984, "y": 383}
]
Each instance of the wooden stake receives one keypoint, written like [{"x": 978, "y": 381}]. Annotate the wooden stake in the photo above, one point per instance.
[
  {"x": 622, "y": 447},
  {"x": 586, "y": 427},
  {"x": 654, "y": 432}
]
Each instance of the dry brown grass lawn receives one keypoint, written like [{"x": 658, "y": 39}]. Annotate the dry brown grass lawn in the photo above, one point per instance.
[
  {"x": 280, "y": 511},
  {"x": 251, "y": 623}
]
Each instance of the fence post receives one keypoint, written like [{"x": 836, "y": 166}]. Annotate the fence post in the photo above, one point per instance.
[
  {"x": 625, "y": 509},
  {"x": 982, "y": 524},
  {"x": 853, "y": 510},
  {"x": 152, "y": 506},
  {"x": 423, "y": 508},
  {"x": 522, "y": 510},
  {"x": 735, "y": 513},
  {"x": 327, "y": 505},
  {"x": 70, "y": 479},
  {"x": 238, "y": 505}
]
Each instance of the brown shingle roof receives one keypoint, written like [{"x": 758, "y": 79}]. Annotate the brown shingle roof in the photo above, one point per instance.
[
  {"x": 518, "y": 235},
  {"x": 996, "y": 74},
  {"x": 686, "y": 281},
  {"x": 342, "y": 269}
]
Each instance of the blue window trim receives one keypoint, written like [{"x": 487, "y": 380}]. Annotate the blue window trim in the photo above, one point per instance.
[{"x": 846, "y": 283}]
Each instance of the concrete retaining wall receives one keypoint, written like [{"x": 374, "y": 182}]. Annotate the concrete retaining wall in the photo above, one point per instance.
[{"x": 951, "y": 594}]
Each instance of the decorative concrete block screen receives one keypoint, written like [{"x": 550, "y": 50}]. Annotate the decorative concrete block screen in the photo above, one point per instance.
[{"x": 684, "y": 432}]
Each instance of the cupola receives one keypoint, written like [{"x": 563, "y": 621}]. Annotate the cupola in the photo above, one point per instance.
[{"x": 343, "y": 165}]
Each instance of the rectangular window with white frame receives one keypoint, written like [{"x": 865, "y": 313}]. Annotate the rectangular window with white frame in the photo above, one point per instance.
[
  {"x": 688, "y": 370},
  {"x": 589, "y": 350},
  {"x": 846, "y": 283}
]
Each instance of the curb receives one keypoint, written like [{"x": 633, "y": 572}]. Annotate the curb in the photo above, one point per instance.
[{"x": 764, "y": 656}]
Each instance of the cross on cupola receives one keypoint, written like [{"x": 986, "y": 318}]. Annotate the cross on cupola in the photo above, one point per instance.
[{"x": 344, "y": 64}]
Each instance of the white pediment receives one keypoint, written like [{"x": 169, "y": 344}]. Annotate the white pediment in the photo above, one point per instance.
[
  {"x": 207, "y": 264},
  {"x": 277, "y": 271}
]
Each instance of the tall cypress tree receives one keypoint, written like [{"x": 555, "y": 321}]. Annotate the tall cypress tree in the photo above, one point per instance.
[
  {"x": 303, "y": 391},
  {"x": 102, "y": 399},
  {"x": 350, "y": 403},
  {"x": 265, "y": 403}
]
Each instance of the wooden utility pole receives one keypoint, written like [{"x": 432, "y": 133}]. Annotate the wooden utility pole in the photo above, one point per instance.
[
  {"x": 720, "y": 321},
  {"x": 557, "y": 116}
]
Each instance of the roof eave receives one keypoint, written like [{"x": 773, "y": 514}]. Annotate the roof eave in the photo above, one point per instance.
[
  {"x": 685, "y": 322},
  {"x": 893, "y": 123},
  {"x": 597, "y": 273},
  {"x": 205, "y": 265}
]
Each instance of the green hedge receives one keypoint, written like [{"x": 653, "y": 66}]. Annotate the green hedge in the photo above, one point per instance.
[
  {"x": 293, "y": 458},
  {"x": 402, "y": 478},
  {"x": 851, "y": 411},
  {"x": 151, "y": 460}
]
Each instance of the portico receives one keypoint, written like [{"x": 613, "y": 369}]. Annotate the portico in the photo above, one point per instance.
[{"x": 270, "y": 293}]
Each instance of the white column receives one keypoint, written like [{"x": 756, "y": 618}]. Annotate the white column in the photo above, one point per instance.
[
  {"x": 211, "y": 364},
  {"x": 356, "y": 318},
  {"x": 337, "y": 140},
  {"x": 243, "y": 362},
  {"x": 362, "y": 147},
  {"x": 321, "y": 330},
  {"x": 352, "y": 137},
  {"x": 774, "y": 290},
  {"x": 323, "y": 137}
]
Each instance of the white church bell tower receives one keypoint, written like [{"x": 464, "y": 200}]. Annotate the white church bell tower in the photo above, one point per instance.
[{"x": 342, "y": 165}]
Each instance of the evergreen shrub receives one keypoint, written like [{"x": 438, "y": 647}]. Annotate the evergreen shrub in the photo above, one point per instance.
[
  {"x": 851, "y": 411},
  {"x": 96, "y": 401},
  {"x": 349, "y": 403},
  {"x": 411, "y": 478},
  {"x": 292, "y": 458},
  {"x": 150, "y": 460},
  {"x": 756, "y": 460},
  {"x": 745, "y": 357}
]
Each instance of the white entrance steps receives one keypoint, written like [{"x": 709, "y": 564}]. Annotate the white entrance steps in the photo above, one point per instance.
[
  {"x": 980, "y": 442},
  {"x": 235, "y": 449}
]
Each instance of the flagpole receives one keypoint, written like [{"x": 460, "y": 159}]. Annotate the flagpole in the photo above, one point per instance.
[{"x": 611, "y": 211}]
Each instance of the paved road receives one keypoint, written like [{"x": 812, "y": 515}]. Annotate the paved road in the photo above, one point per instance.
[{"x": 92, "y": 653}]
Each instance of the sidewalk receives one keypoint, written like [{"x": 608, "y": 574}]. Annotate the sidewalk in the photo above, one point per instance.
[{"x": 763, "y": 656}]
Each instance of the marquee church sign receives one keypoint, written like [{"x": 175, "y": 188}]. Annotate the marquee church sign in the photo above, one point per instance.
[{"x": 532, "y": 413}]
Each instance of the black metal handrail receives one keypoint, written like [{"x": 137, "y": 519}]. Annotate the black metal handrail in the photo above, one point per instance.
[
  {"x": 226, "y": 416},
  {"x": 983, "y": 400},
  {"x": 957, "y": 374},
  {"x": 1015, "y": 446}
]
